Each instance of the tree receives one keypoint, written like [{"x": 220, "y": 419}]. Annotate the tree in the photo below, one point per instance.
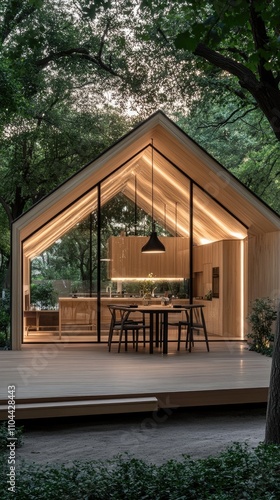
[
  {"x": 239, "y": 39},
  {"x": 254, "y": 159},
  {"x": 272, "y": 431},
  {"x": 236, "y": 49}
]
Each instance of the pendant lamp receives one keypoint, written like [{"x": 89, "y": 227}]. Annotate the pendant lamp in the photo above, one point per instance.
[{"x": 153, "y": 245}]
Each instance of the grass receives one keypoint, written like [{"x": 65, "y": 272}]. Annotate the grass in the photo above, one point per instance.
[{"x": 236, "y": 474}]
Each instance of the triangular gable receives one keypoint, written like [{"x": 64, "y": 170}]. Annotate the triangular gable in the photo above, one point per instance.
[{"x": 223, "y": 207}]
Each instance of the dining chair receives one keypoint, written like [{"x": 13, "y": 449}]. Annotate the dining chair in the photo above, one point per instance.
[
  {"x": 121, "y": 324},
  {"x": 197, "y": 323},
  {"x": 183, "y": 324}
]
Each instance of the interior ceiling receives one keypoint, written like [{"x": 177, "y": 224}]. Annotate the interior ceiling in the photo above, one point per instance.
[{"x": 171, "y": 205}]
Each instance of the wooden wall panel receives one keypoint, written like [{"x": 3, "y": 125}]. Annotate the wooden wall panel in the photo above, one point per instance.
[
  {"x": 231, "y": 296},
  {"x": 224, "y": 313},
  {"x": 127, "y": 261},
  {"x": 264, "y": 267},
  {"x": 198, "y": 259},
  {"x": 217, "y": 249}
]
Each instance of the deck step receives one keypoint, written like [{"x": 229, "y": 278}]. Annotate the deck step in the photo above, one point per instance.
[{"x": 79, "y": 408}]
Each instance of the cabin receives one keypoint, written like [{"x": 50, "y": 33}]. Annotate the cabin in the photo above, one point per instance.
[{"x": 81, "y": 247}]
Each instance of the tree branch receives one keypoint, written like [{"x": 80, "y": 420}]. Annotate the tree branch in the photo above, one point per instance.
[
  {"x": 103, "y": 39},
  {"x": 229, "y": 118},
  {"x": 245, "y": 75},
  {"x": 79, "y": 52},
  {"x": 261, "y": 40},
  {"x": 14, "y": 15},
  {"x": 234, "y": 50}
]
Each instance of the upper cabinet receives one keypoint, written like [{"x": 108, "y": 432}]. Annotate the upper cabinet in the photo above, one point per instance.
[{"x": 127, "y": 261}]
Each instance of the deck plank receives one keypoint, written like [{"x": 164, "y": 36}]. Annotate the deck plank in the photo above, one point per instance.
[{"x": 228, "y": 374}]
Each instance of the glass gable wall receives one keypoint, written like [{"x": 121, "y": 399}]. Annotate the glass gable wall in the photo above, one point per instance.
[{"x": 90, "y": 255}]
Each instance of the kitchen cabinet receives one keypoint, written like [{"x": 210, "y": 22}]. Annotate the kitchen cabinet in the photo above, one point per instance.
[{"x": 127, "y": 261}]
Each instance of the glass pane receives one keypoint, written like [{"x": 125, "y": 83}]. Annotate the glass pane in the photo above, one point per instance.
[
  {"x": 60, "y": 280},
  {"x": 127, "y": 274}
]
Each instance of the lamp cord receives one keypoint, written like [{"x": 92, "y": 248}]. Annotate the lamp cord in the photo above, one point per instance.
[{"x": 153, "y": 223}]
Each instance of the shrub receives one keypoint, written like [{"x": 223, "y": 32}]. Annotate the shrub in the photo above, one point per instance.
[
  {"x": 5, "y": 320},
  {"x": 5, "y": 436},
  {"x": 261, "y": 318},
  {"x": 237, "y": 474}
]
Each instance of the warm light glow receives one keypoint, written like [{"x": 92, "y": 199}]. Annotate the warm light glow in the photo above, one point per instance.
[
  {"x": 239, "y": 236},
  {"x": 56, "y": 228},
  {"x": 242, "y": 288},
  {"x": 144, "y": 200},
  {"x": 204, "y": 241},
  {"x": 147, "y": 279},
  {"x": 199, "y": 202}
]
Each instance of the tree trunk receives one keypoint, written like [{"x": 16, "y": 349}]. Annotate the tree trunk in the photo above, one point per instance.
[{"x": 272, "y": 431}]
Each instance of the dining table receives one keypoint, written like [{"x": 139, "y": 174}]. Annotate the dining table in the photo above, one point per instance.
[{"x": 159, "y": 315}]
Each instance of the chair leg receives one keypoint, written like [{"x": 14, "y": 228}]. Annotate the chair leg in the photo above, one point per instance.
[
  {"x": 110, "y": 338},
  {"x": 120, "y": 340},
  {"x": 179, "y": 336},
  {"x": 187, "y": 338},
  {"x": 205, "y": 331},
  {"x": 206, "y": 337},
  {"x": 137, "y": 339},
  {"x": 190, "y": 339}
]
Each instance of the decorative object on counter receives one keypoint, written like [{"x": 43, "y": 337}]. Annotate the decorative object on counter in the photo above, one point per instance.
[
  {"x": 208, "y": 295},
  {"x": 147, "y": 299},
  {"x": 166, "y": 299},
  {"x": 153, "y": 245},
  {"x": 147, "y": 286}
]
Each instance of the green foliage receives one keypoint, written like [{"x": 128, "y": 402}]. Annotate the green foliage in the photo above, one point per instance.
[
  {"x": 261, "y": 319},
  {"x": 43, "y": 294},
  {"x": 3, "y": 338},
  {"x": 218, "y": 123},
  {"x": 237, "y": 474},
  {"x": 4, "y": 248},
  {"x": 5, "y": 320},
  {"x": 5, "y": 437}
]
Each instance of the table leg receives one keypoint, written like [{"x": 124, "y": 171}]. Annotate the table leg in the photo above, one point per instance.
[
  {"x": 151, "y": 333},
  {"x": 165, "y": 333},
  {"x": 157, "y": 330}
]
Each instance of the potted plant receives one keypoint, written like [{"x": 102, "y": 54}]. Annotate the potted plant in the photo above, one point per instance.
[{"x": 146, "y": 288}]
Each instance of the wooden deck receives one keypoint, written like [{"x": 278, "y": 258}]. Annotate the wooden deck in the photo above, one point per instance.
[{"x": 68, "y": 379}]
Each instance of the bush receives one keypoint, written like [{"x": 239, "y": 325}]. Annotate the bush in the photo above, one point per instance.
[
  {"x": 261, "y": 318},
  {"x": 4, "y": 436},
  {"x": 3, "y": 340},
  {"x": 237, "y": 474},
  {"x": 5, "y": 320}
]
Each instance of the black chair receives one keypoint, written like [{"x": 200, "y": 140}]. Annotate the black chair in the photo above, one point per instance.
[
  {"x": 183, "y": 323},
  {"x": 121, "y": 323},
  {"x": 197, "y": 322}
]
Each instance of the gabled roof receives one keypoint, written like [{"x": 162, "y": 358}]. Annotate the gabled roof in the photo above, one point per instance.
[{"x": 223, "y": 207}]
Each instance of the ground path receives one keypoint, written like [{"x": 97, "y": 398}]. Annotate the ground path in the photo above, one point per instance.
[{"x": 155, "y": 438}]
